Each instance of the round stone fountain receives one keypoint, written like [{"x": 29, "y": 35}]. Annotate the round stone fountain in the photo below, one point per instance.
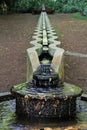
[{"x": 45, "y": 94}]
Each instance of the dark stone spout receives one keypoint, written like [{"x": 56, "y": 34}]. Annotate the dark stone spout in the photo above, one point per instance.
[{"x": 45, "y": 77}]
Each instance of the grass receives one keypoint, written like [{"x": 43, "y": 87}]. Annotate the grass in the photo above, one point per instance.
[{"x": 79, "y": 16}]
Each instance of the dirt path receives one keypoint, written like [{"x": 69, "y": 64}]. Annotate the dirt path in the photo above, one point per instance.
[
  {"x": 15, "y": 33},
  {"x": 73, "y": 34}
]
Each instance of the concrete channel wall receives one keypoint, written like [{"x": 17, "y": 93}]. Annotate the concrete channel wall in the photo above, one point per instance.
[{"x": 44, "y": 35}]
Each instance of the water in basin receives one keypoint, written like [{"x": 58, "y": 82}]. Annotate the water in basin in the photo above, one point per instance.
[{"x": 9, "y": 120}]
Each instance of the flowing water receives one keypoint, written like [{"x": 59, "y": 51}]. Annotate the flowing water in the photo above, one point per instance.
[{"x": 10, "y": 121}]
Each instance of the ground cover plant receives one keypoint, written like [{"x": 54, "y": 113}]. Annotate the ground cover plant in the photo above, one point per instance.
[{"x": 79, "y": 16}]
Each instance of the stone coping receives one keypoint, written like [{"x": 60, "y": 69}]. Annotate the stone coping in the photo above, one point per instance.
[{"x": 65, "y": 91}]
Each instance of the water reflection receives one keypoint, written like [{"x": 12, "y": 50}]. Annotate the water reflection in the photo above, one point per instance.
[
  {"x": 81, "y": 111},
  {"x": 9, "y": 120},
  {"x": 7, "y": 114}
]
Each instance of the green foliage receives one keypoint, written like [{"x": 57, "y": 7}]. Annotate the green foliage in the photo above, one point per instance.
[
  {"x": 27, "y": 5},
  {"x": 69, "y": 9},
  {"x": 21, "y": 6},
  {"x": 70, "y": 6},
  {"x": 36, "y": 5},
  {"x": 32, "y": 5},
  {"x": 81, "y": 5},
  {"x": 59, "y": 6},
  {"x": 64, "y": 6},
  {"x": 85, "y": 10},
  {"x": 50, "y": 5}
]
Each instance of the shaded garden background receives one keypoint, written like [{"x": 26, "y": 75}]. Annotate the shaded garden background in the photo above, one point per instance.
[{"x": 64, "y": 6}]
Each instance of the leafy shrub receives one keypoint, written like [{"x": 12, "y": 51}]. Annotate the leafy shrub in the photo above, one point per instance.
[
  {"x": 80, "y": 5},
  {"x": 65, "y": 6},
  {"x": 70, "y": 6},
  {"x": 69, "y": 9},
  {"x": 59, "y": 7},
  {"x": 27, "y": 5},
  {"x": 85, "y": 11},
  {"x": 22, "y": 6},
  {"x": 50, "y": 5},
  {"x": 36, "y": 5}
]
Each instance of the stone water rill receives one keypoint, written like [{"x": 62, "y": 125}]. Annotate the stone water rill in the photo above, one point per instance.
[{"x": 45, "y": 94}]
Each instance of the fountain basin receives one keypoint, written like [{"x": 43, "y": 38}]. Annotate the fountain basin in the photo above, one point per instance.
[
  {"x": 9, "y": 119},
  {"x": 59, "y": 102}
]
